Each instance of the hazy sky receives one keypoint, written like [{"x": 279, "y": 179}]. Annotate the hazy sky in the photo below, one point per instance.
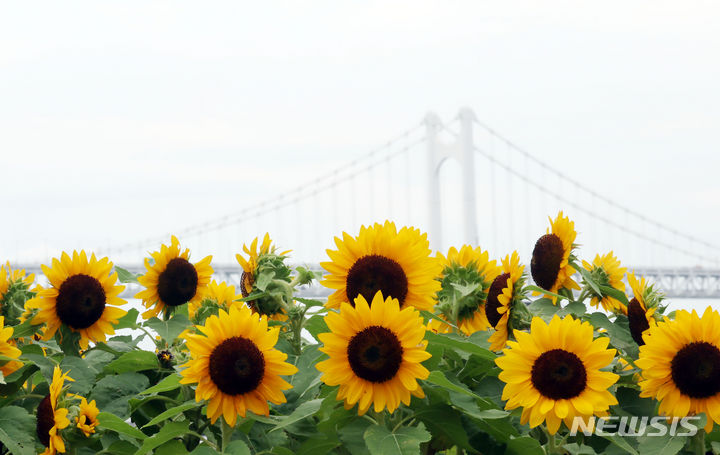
[{"x": 122, "y": 120}]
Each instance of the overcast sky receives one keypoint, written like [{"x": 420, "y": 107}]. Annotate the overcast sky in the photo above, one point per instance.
[{"x": 123, "y": 120}]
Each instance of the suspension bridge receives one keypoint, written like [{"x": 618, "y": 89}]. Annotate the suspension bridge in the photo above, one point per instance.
[{"x": 461, "y": 182}]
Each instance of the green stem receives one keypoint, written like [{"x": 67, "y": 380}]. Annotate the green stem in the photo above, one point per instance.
[
  {"x": 227, "y": 432},
  {"x": 552, "y": 446},
  {"x": 204, "y": 439}
]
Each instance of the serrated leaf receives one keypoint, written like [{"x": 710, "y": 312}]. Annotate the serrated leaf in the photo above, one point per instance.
[
  {"x": 171, "y": 382},
  {"x": 129, "y": 321},
  {"x": 17, "y": 430},
  {"x": 113, "y": 392},
  {"x": 170, "y": 329},
  {"x": 237, "y": 447},
  {"x": 133, "y": 361},
  {"x": 303, "y": 411},
  {"x": 403, "y": 441},
  {"x": 450, "y": 341},
  {"x": 172, "y": 412},
  {"x": 125, "y": 276},
  {"x": 115, "y": 423},
  {"x": 524, "y": 445},
  {"x": 167, "y": 432}
]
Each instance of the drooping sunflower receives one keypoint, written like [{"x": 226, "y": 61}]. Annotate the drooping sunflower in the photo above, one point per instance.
[
  {"x": 221, "y": 293},
  {"x": 504, "y": 298},
  {"x": 235, "y": 364},
  {"x": 8, "y": 349},
  {"x": 550, "y": 265},
  {"x": 51, "y": 418},
  {"x": 553, "y": 373},
  {"x": 468, "y": 266},
  {"x": 606, "y": 270},
  {"x": 381, "y": 258},
  {"x": 171, "y": 280},
  {"x": 680, "y": 363},
  {"x": 268, "y": 257},
  {"x": 87, "y": 417},
  {"x": 641, "y": 308},
  {"x": 375, "y": 353},
  {"x": 83, "y": 296}
]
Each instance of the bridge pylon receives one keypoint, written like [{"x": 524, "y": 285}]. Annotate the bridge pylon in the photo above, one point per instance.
[{"x": 461, "y": 150}]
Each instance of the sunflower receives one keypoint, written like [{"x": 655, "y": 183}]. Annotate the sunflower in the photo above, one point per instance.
[
  {"x": 8, "y": 349},
  {"x": 235, "y": 364},
  {"x": 468, "y": 266},
  {"x": 680, "y": 365},
  {"x": 375, "y": 353},
  {"x": 87, "y": 417},
  {"x": 553, "y": 372},
  {"x": 221, "y": 293},
  {"x": 268, "y": 257},
  {"x": 381, "y": 258},
  {"x": 8, "y": 277},
  {"x": 51, "y": 418},
  {"x": 171, "y": 280},
  {"x": 80, "y": 297},
  {"x": 504, "y": 297},
  {"x": 550, "y": 266},
  {"x": 641, "y": 308},
  {"x": 606, "y": 270}
]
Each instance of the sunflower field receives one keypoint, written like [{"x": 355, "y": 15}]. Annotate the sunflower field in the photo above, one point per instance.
[{"x": 413, "y": 352}]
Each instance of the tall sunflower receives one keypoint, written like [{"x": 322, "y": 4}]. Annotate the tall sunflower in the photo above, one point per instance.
[
  {"x": 680, "y": 363},
  {"x": 375, "y": 353},
  {"x": 235, "y": 364},
  {"x": 51, "y": 418},
  {"x": 86, "y": 419},
  {"x": 550, "y": 266},
  {"x": 381, "y": 258},
  {"x": 83, "y": 297},
  {"x": 606, "y": 270},
  {"x": 504, "y": 299},
  {"x": 265, "y": 260},
  {"x": 221, "y": 293},
  {"x": 171, "y": 280},
  {"x": 642, "y": 307},
  {"x": 8, "y": 349},
  {"x": 554, "y": 373}
]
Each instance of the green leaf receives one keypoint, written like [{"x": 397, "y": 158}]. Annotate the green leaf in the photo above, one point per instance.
[
  {"x": 112, "y": 393},
  {"x": 403, "y": 441},
  {"x": 121, "y": 447},
  {"x": 589, "y": 280},
  {"x": 452, "y": 341},
  {"x": 115, "y": 423},
  {"x": 237, "y": 447},
  {"x": 622, "y": 443},
  {"x": 171, "y": 382},
  {"x": 303, "y": 411},
  {"x": 129, "y": 321},
  {"x": 133, "y": 361},
  {"x": 352, "y": 436},
  {"x": 317, "y": 444},
  {"x": 24, "y": 329},
  {"x": 81, "y": 372},
  {"x": 542, "y": 291},
  {"x": 173, "y": 447},
  {"x": 17, "y": 430},
  {"x": 429, "y": 315},
  {"x": 439, "y": 378},
  {"x": 316, "y": 325},
  {"x": 573, "y": 308},
  {"x": 309, "y": 303},
  {"x": 576, "y": 449},
  {"x": 662, "y": 445},
  {"x": 307, "y": 375},
  {"x": 443, "y": 421},
  {"x": 524, "y": 445},
  {"x": 615, "y": 293},
  {"x": 125, "y": 276},
  {"x": 170, "y": 431},
  {"x": 170, "y": 329},
  {"x": 203, "y": 450},
  {"x": 172, "y": 412}
]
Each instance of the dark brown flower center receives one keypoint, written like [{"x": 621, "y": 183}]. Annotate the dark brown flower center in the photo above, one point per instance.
[
  {"x": 246, "y": 283},
  {"x": 637, "y": 320},
  {"x": 696, "y": 370},
  {"x": 237, "y": 366},
  {"x": 177, "y": 284},
  {"x": 45, "y": 420},
  {"x": 374, "y": 273},
  {"x": 546, "y": 259},
  {"x": 375, "y": 354},
  {"x": 80, "y": 301},
  {"x": 559, "y": 374},
  {"x": 492, "y": 304}
]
